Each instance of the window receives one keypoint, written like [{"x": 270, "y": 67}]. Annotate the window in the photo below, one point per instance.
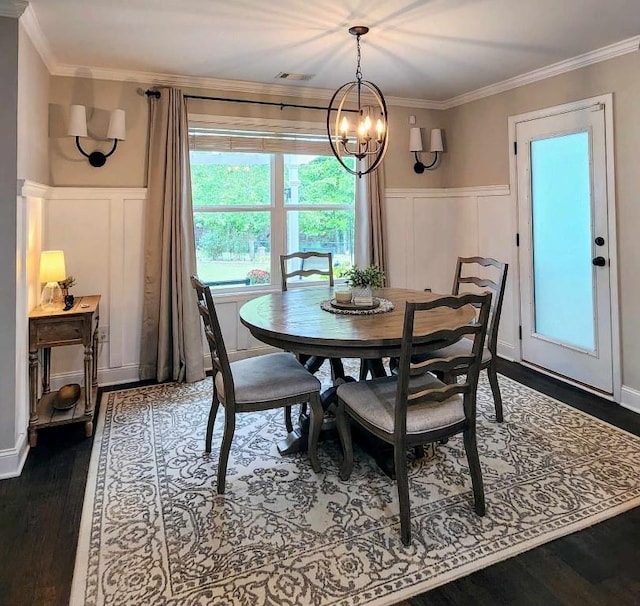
[{"x": 260, "y": 194}]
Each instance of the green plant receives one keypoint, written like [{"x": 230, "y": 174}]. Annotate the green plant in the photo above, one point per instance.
[
  {"x": 67, "y": 283},
  {"x": 371, "y": 276}
]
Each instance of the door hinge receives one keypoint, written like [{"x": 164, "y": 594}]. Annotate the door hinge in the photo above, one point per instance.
[
  {"x": 517, "y": 239},
  {"x": 515, "y": 148},
  {"x": 520, "y": 333}
]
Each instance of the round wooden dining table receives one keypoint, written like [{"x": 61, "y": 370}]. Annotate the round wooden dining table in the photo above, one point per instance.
[{"x": 293, "y": 320}]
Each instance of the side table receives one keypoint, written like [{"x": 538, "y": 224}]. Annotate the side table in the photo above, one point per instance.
[{"x": 55, "y": 328}]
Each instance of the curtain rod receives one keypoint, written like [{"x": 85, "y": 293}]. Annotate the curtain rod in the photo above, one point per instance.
[{"x": 156, "y": 94}]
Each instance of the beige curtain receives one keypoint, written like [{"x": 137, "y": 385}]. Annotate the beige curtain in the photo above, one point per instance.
[
  {"x": 171, "y": 343},
  {"x": 370, "y": 232}
]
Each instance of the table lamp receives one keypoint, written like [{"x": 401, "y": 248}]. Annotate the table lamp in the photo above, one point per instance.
[{"x": 52, "y": 270}]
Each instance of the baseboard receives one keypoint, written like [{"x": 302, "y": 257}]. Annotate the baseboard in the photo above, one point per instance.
[
  {"x": 506, "y": 351},
  {"x": 12, "y": 459},
  {"x": 630, "y": 398},
  {"x": 106, "y": 376}
]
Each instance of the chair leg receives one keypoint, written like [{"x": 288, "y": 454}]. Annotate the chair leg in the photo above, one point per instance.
[
  {"x": 344, "y": 433},
  {"x": 287, "y": 419},
  {"x": 418, "y": 451},
  {"x": 402, "y": 479},
  {"x": 210, "y": 423},
  {"x": 495, "y": 390},
  {"x": 315, "y": 425},
  {"x": 471, "y": 448},
  {"x": 229, "y": 429}
]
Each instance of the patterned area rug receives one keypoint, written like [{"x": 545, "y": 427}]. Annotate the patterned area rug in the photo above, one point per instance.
[{"x": 155, "y": 532}]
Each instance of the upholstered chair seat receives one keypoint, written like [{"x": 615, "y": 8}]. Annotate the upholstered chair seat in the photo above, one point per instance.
[
  {"x": 375, "y": 401},
  {"x": 265, "y": 378}
]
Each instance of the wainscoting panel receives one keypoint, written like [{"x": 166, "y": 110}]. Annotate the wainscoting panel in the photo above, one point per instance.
[
  {"x": 427, "y": 229},
  {"x": 101, "y": 232}
]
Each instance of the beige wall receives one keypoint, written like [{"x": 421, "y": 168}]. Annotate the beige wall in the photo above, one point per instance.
[
  {"x": 127, "y": 167},
  {"x": 33, "y": 122},
  {"x": 480, "y": 148}
]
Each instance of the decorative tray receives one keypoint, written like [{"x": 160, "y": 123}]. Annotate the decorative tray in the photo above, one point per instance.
[{"x": 351, "y": 305}]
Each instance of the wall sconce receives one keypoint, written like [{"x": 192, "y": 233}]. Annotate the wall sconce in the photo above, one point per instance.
[
  {"x": 52, "y": 271},
  {"x": 436, "y": 147},
  {"x": 78, "y": 128}
]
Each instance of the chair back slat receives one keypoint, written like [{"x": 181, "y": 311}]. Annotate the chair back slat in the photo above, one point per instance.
[
  {"x": 301, "y": 272},
  {"x": 464, "y": 266},
  {"x": 213, "y": 334},
  {"x": 411, "y": 392}
]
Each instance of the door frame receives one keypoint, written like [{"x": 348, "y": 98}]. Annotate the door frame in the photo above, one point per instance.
[{"x": 607, "y": 102}]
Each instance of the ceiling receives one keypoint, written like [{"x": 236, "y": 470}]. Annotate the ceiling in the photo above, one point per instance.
[{"x": 421, "y": 49}]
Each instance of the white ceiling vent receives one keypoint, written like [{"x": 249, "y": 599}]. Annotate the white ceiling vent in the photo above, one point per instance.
[{"x": 290, "y": 76}]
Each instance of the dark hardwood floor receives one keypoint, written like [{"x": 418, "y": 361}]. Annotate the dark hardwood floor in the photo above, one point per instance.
[{"x": 40, "y": 517}]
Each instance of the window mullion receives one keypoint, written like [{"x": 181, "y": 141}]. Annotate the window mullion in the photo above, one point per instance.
[{"x": 278, "y": 219}]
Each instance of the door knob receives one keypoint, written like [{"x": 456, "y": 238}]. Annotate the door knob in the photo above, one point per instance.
[{"x": 599, "y": 261}]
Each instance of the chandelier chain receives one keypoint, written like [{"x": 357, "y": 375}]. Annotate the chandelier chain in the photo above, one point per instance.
[{"x": 358, "y": 70}]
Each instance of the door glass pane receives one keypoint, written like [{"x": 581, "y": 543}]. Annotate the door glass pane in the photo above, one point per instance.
[{"x": 562, "y": 269}]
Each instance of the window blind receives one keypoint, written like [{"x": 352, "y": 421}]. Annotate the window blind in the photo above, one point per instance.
[{"x": 203, "y": 138}]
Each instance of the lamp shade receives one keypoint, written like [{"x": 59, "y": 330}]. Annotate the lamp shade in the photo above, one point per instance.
[
  {"x": 436, "y": 140},
  {"x": 52, "y": 267},
  {"x": 415, "y": 140},
  {"x": 77, "y": 121},
  {"x": 116, "y": 125}
]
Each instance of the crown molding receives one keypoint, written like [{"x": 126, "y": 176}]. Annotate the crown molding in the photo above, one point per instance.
[
  {"x": 12, "y": 8},
  {"x": 32, "y": 27},
  {"x": 623, "y": 47},
  {"x": 230, "y": 86}
]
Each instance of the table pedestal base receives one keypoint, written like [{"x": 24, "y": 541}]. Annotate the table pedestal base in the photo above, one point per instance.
[{"x": 293, "y": 443}]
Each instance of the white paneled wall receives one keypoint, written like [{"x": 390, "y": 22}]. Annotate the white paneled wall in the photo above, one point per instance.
[
  {"x": 101, "y": 231},
  {"x": 427, "y": 230}
]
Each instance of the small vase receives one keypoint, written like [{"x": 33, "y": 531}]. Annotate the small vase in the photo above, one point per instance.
[{"x": 362, "y": 295}]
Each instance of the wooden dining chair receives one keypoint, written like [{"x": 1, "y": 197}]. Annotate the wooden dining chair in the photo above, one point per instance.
[
  {"x": 305, "y": 266},
  {"x": 408, "y": 410},
  {"x": 261, "y": 383},
  {"x": 467, "y": 272},
  {"x": 309, "y": 263}
]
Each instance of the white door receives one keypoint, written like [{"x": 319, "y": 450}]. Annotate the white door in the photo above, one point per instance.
[{"x": 564, "y": 246}]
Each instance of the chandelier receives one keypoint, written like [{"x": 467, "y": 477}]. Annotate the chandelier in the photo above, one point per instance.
[{"x": 364, "y": 138}]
